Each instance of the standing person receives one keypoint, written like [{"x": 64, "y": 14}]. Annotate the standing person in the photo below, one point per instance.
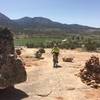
[{"x": 55, "y": 52}]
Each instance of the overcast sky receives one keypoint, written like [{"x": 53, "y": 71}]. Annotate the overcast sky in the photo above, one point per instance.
[{"x": 85, "y": 12}]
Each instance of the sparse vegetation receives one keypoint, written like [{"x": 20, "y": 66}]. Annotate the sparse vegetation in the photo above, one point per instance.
[{"x": 91, "y": 43}]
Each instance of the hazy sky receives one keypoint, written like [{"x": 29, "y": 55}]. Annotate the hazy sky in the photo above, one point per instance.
[{"x": 86, "y": 12}]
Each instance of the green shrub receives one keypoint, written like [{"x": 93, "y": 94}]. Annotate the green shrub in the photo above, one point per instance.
[{"x": 90, "y": 45}]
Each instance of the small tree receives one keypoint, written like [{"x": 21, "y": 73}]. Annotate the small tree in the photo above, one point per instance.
[{"x": 90, "y": 45}]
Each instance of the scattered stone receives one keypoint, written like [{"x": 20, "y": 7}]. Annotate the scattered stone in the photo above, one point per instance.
[
  {"x": 44, "y": 95},
  {"x": 59, "y": 98},
  {"x": 65, "y": 59},
  {"x": 71, "y": 88}
]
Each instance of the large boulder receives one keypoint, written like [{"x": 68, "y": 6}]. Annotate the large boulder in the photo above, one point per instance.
[
  {"x": 90, "y": 74},
  {"x": 12, "y": 70}
]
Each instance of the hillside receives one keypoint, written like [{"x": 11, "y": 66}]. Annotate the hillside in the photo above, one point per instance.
[
  {"x": 44, "y": 26},
  {"x": 7, "y": 22}
]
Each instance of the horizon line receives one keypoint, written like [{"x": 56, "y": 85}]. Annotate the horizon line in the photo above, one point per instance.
[{"x": 13, "y": 18}]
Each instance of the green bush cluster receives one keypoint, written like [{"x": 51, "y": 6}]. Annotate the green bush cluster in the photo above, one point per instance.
[{"x": 90, "y": 45}]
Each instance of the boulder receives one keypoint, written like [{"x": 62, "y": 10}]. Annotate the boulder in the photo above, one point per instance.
[
  {"x": 90, "y": 74},
  {"x": 12, "y": 70},
  {"x": 39, "y": 53},
  {"x": 66, "y": 59}
]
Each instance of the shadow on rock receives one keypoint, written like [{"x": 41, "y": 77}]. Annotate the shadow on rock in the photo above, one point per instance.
[
  {"x": 58, "y": 66},
  {"x": 12, "y": 94}
]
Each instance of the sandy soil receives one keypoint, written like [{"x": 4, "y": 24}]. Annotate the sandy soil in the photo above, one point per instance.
[{"x": 47, "y": 83}]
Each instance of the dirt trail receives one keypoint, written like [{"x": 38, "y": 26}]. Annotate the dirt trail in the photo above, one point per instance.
[{"x": 48, "y": 83}]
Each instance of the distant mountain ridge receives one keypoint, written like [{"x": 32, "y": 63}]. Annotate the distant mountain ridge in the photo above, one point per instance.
[{"x": 44, "y": 26}]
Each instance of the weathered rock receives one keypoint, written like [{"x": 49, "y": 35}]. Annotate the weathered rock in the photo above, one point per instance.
[
  {"x": 41, "y": 50},
  {"x": 67, "y": 59},
  {"x": 11, "y": 68},
  {"x": 39, "y": 53},
  {"x": 90, "y": 74}
]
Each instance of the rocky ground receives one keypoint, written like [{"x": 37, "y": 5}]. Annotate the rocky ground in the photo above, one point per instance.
[{"x": 47, "y": 83}]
